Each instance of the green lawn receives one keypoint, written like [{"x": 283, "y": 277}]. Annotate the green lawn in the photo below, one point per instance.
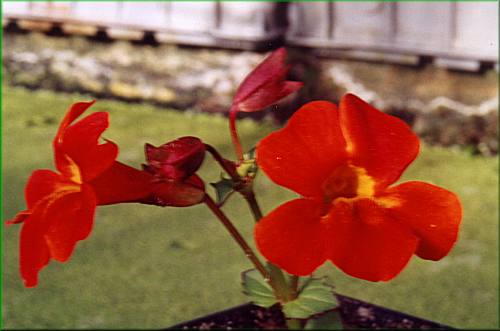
[{"x": 148, "y": 267}]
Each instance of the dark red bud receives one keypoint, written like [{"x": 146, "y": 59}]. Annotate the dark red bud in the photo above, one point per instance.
[
  {"x": 177, "y": 193},
  {"x": 178, "y": 159}
]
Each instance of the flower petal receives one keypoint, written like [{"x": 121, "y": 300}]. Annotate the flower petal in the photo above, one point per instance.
[
  {"x": 382, "y": 144},
  {"x": 19, "y": 218},
  {"x": 302, "y": 155},
  {"x": 70, "y": 219},
  {"x": 41, "y": 184},
  {"x": 291, "y": 236},
  {"x": 80, "y": 142},
  {"x": 433, "y": 213},
  {"x": 73, "y": 113},
  {"x": 52, "y": 227},
  {"x": 289, "y": 87},
  {"x": 33, "y": 253},
  {"x": 268, "y": 94},
  {"x": 121, "y": 183},
  {"x": 365, "y": 243}
]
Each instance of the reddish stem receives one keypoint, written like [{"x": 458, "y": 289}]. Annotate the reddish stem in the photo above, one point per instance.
[
  {"x": 233, "y": 112},
  {"x": 239, "y": 239},
  {"x": 226, "y": 165}
]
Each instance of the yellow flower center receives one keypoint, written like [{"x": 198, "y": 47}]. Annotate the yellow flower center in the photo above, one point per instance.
[
  {"x": 348, "y": 181},
  {"x": 74, "y": 170}
]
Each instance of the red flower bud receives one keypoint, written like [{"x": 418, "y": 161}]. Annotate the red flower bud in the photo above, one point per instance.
[
  {"x": 178, "y": 159},
  {"x": 174, "y": 165},
  {"x": 266, "y": 84}
]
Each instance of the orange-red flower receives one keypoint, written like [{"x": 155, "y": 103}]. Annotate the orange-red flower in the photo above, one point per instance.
[
  {"x": 61, "y": 205},
  {"x": 343, "y": 161}
]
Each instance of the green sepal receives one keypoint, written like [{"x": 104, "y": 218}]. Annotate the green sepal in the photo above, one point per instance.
[
  {"x": 259, "y": 291},
  {"x": 225, "y": 186},
  {"x": 314, "y": 297},
  {"x": 248, "y": 168},
  {"x": 331, "y": 320},
  {"x": 223, "y": 189},
  {"x": 250, "y": 155}
]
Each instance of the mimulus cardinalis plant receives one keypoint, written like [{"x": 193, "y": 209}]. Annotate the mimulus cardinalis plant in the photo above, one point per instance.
[{"x": 343, "y": 162}]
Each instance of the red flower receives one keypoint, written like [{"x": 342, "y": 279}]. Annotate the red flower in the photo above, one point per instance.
[
  {"x": 262, "y": 87},
  {"x": 61, "y": 205},
  {"x": 343, "y": 162}
]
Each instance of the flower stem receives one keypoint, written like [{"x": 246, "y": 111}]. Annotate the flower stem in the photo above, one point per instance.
[
  {"x": 226, "y": 165},
  {"x": 234, "y": 134},
  {"x": 294, "y": 324},
  {"x": 288, "y": 291},
  {"x": 237, "y": 236},
  {"x": 254, "y": 206},
  {"x": 275, "y": 277},
  {"x": 294, "y": 285},
  {"x": 293, "y": 282}
]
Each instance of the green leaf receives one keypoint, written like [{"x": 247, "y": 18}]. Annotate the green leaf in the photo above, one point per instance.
[
  {"x": 223, "y": 189},
  {"x": 258, "y": 289},
  {"x": 315, "y": 297},
  {"x": 331, "y": 320}
]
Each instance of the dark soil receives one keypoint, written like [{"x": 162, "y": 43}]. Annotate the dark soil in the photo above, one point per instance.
[{"x": 355, "y": 314}]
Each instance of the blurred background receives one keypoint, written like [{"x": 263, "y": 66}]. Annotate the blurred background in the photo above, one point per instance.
[{"x": 166, "y": 69}]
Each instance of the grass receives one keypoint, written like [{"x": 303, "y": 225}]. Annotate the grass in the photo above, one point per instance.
[{"x": 148, "y": 267}]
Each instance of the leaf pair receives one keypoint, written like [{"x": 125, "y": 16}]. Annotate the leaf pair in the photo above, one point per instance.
[{"x": 315, "y": 302}]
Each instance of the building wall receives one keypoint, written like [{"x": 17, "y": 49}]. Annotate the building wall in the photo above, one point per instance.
[{"x": 461, "y": 35}]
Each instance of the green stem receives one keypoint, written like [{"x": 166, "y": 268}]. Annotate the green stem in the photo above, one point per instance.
[
  {"x": 278, "y": 278},
  {"x": 294, "y": 286},
  {"x": 294, "y": 324}
]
